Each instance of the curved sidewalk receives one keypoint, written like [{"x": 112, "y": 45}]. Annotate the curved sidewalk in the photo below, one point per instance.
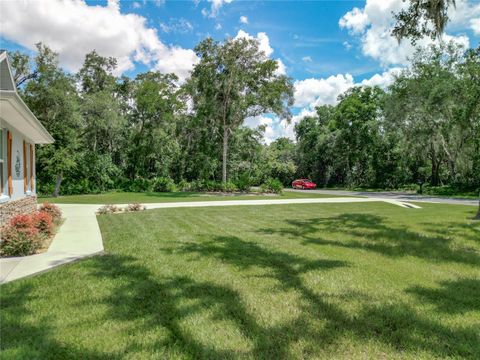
[{"x": 80, "y": 236}]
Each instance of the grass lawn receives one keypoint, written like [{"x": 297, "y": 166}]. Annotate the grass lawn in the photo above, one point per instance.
[
  {"x": 368, "y": 280},
  {"x": 152, "y": 197}
]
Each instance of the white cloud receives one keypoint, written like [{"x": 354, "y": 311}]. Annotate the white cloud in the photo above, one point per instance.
[
  {"x": 308, "y": 94},
  {"x": 475, "y": 25},
  {"x": 383, "y": 80},
  {"x": 263, "y": 45},
  {"x": 218, "y": 27},
  {"x": 214, "y": 8},
  {"x": 287, "y": 129},
  {"x": 466, "y": 14},
  {"x": 307, "y": 58},
  {"x": 136, "y": 5},
  {"x": 256, "y": 121},
  {"x": 355, "y": 20},
  {"x": 262, "y": 38},
  {"x": 243, "y": 20},
  {"x": 281, "y": 68},
  {"x": 270, "y": 133},
  {"x": 73, "y": 28},
  {"x": 313, "y": 92},
  {"x": 175, "y": 25},
  {"x": 374, "y": 23}
]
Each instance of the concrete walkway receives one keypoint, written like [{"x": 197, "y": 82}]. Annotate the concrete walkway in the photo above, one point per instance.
[
  {"x": 78, "y": 237},
  {"x": 274, "y": 202},
  {"x": 393, "y": 195}
]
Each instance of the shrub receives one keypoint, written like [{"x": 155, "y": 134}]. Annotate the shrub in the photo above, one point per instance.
[
  {"x": 273, "y": 186},
  {"x": 139, "y": 185},
  {"x": 108, "y": 209},
  {"x": 16, "y": 242},
  {"x": 229, "y": 187},
  {"x": 135, "y": 207},
  {"x": 243, "y": 183},
  {"x": 24, "y": 224},
  {"x": 211, "y": 185},
  {"x": 163, "y": 184},
  {"x": 184, "y": 185},
  {"x": 196, "y": 185},
  {"x": 53, "y": 210},
  {"x": 43, "y": 222}
]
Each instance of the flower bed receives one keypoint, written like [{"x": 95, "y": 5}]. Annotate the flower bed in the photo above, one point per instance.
[{"x": 28, "y": 234}]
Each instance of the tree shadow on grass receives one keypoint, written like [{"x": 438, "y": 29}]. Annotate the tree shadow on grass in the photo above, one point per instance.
[
  {"x": 370, "y": 232},
  {"x": 286, "y": 267},
  {"x": 160, "y": 303},
  {"x": 143, "y": 304},
  {"x": 469, "y": 230},
  {"x": 138, "y": 295},
  {"x": 22, "y": 338},
  {"x": 395, "y": 324},
  {"x": 454, "y": 297}
]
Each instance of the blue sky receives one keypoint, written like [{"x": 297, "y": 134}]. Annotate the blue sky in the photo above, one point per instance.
[
  {"x": 296, "y": 30},
  {"x": 325, "y": 46}
]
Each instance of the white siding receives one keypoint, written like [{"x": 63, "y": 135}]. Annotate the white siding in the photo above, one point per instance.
[{"x": 17, "y": 163}]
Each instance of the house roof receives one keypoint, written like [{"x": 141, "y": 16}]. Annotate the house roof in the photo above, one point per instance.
[{"x": 14, "y": 111}]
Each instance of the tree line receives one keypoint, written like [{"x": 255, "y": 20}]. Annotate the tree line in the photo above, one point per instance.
[
  {"x": 115, "y": 132},
  {"x": 424, "y": 128}
]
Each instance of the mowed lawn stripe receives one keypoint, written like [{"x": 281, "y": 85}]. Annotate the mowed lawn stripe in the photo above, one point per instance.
[{"x": 261, "y": 282}]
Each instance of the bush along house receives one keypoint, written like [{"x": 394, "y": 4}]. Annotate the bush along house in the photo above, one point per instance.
[{"x": 20, "y": 131}]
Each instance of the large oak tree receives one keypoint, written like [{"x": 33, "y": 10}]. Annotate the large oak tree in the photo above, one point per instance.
[{"x": 235, "y": 80}]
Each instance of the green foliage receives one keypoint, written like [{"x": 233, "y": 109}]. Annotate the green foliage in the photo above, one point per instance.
[
  {"x": 137, "y": 185},
  {"x": 243, "y": 183},
  {"x": 162, "y": 184},
  {"x": 272, "y": 186},
  {"x": 18, "y": 243},
  {"x": 280, "y": 163},
  {"x": 422, "y": 18},
  {"x": 149, "y": 133},
  {"x": 423, "y": 129},
  {"x": 229, "y": 187},
  {"x": 235, "y": 80}
]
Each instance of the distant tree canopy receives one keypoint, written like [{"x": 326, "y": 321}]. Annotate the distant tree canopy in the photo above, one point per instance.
[
  {"x": 424, "y": 128},
  {"x": 121, "y": 133}
]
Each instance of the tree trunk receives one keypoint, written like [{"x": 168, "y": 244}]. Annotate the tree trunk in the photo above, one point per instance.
[
  {"x": 56, "y": 192},
  {"x": 224, "y": 155}
]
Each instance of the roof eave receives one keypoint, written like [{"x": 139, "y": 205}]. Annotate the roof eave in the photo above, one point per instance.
[{"x": 43, "y": 135}]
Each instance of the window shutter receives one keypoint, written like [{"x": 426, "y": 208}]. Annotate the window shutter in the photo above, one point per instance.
[
  {"x": 25, "y": 176},
  {"x": 32, "y": 183},
  {"x": 9, "y": 163}
]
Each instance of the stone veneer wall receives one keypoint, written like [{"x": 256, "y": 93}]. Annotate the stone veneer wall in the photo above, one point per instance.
[{"x": 9, "y": 209}]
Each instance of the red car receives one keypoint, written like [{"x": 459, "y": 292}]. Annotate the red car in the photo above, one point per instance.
[{"x": 303, "y": 184}]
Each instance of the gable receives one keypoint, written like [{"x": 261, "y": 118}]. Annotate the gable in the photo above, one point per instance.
[{"x": 6, "y": 79}]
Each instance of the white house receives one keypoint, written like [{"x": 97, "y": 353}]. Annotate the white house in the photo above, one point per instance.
[{"x": 20, "y": 130}]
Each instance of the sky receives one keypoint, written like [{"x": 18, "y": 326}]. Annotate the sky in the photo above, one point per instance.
[{"x": 326, "y": 47}]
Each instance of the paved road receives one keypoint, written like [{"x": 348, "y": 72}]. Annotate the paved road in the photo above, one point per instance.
[{"x": 393, "y": 195}]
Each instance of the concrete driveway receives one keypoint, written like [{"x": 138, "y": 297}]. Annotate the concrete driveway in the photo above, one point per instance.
[{"x": 393, "y": 195}]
